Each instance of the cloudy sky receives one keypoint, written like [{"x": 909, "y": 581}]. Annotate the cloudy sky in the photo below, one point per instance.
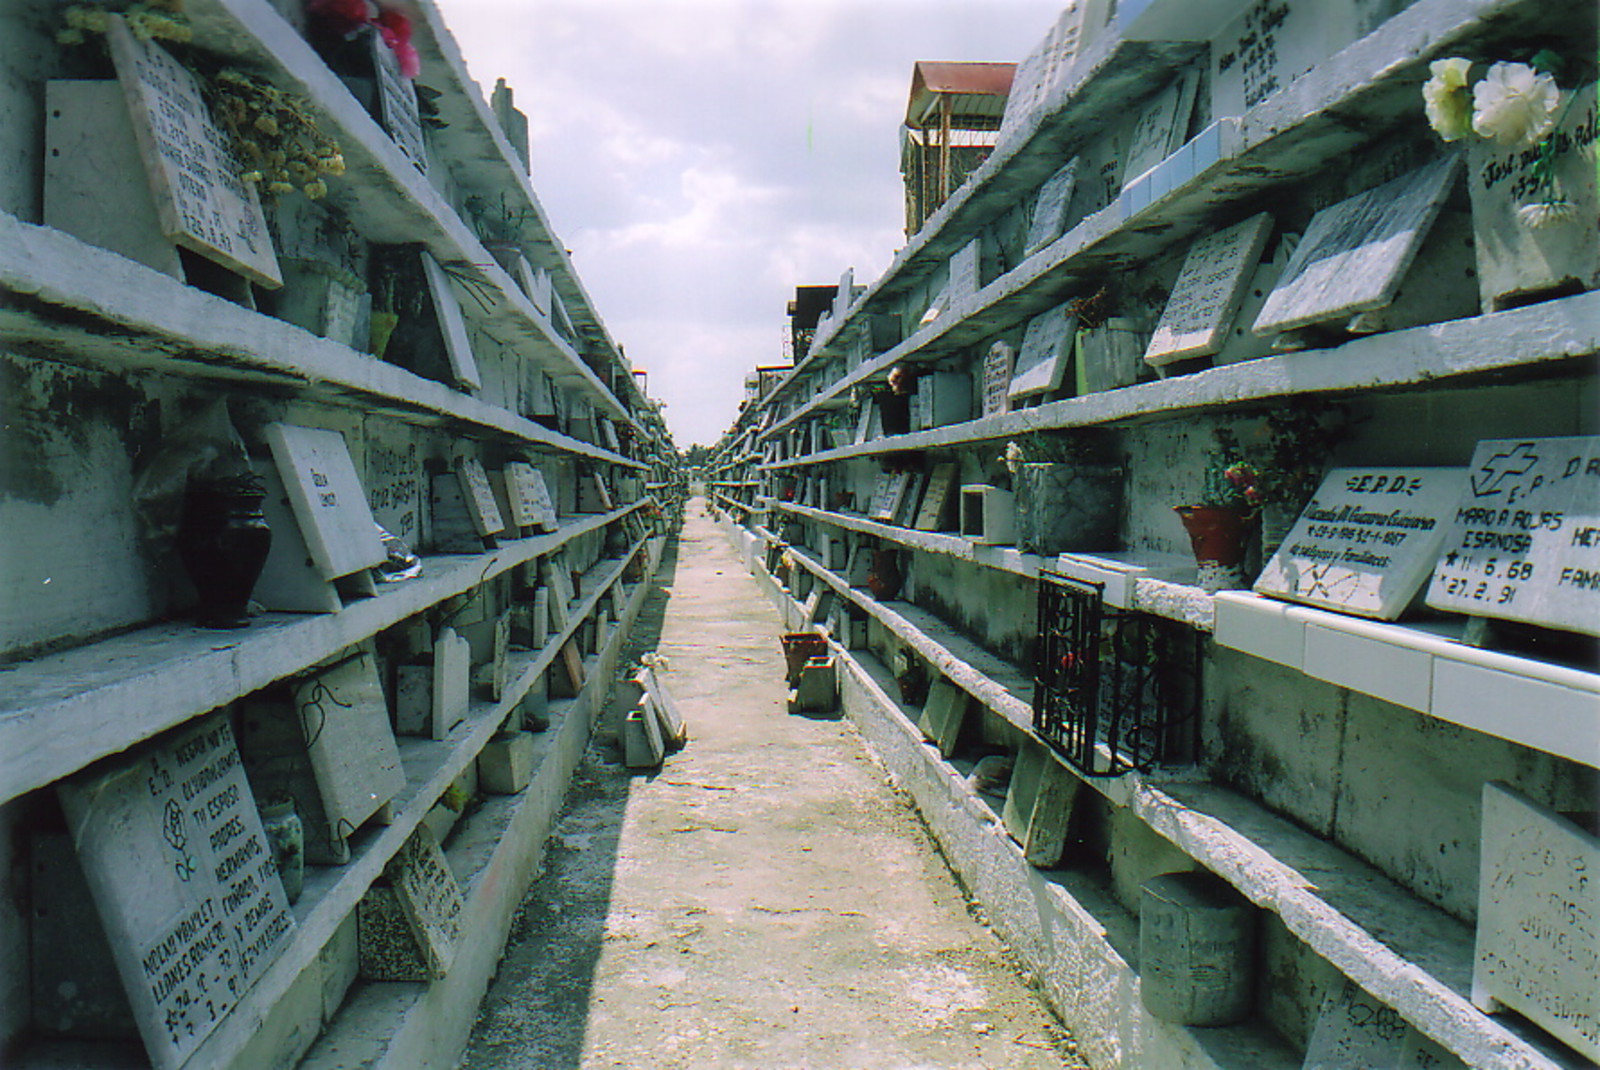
[{"x": 701, "y": 158}]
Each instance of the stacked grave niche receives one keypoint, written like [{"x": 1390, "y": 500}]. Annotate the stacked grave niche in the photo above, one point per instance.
[{"x": 1113, "y": 691}]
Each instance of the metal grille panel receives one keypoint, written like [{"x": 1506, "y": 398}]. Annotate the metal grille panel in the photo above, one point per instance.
[{"x": 1114, "y": 691}]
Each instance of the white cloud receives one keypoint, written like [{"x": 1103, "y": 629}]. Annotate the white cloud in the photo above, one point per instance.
[{"x": 702, "y": 158}]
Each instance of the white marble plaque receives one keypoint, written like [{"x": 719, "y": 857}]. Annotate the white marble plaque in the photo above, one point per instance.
[
  {"x": 1367, "y": 541},
  {"x": 1524, "y": 541},
  {"x": 1050, "y": 210},
  {"x": 1354, "y": 1030},
  {"x": 452, "y": 325},
  {"x": 1355, "y": 253},
  {"x": 1036, "y": 76},
  {"x": 452, "y": 682},
  {"x": 1538, "y": 947},
  {"x": 396, "y": 481},
  {"x": 202, "y": 202},
  {"x": 1046, "y": 351},
  {"x": 320, "y": 480},
  {"x": 1208, "y": 291},
  {"x": 429, "y": 897},
  {"x": 184, "y": 880},
  {"x": 397, "y": 105},
  {"x": 479, "y": 498},
  {"x": 1514, "y": 258},
  {"x": 935, "y": 502},
  {"x": 886, "y": 495},
  {"x": 1161, "y": 127},
  {"x": 1271, "y": 43},
  {"x": 352, "y": 749},
  {"x": 997, "y": 365},
  {"x": 965, "y": 273},
  {"x": 530, "y": 498}
]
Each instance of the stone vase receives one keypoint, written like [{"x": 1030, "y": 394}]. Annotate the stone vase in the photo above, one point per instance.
[
  {"x": 223, "y": 541},
  {"x": 1219, "y": 537},
  {"x": 1062, "y": 506}
]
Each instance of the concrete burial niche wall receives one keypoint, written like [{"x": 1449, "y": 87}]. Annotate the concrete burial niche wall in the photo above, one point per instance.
[
  {"x": 1344, "y": 764},
  {"x": 69, "y": 467}
]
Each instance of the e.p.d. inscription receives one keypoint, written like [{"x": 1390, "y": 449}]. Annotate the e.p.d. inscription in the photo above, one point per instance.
[
  {"x": 202, "y": 202},
  {"x": 1524, "y": 542},
  {"x": 1538, "y": 947},
  {"x": 1367, "y": 541},
  {"x": 1208, "y": 291},
  {"x": 184, "y": 880}
]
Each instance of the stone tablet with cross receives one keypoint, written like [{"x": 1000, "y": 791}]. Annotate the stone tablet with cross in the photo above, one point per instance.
[
  {"x": 320, "y": 480},
  {"x": 1366, "y": 542},
  {"x": 1539, "y": 918},
  {"x": 429, "y": 897},
  {"x": 1355, "y": 253},
  {"x": 201, "y": 201},
  {"x": 1046, "y": 349},
  {"x": 352, "y": 749},
  {"x": 1208, "y": 291},
  {"x": 1524, "y": 541},
  {"x": 183, "y": 878}
]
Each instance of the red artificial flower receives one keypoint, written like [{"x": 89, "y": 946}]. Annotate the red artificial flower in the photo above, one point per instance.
[{"x": 395, "y": 29}]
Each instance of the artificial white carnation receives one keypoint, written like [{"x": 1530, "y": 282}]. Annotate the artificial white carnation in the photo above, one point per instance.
[
  {"x": 1515, "y": 105},
  {"x": 1444, "y": 98}
]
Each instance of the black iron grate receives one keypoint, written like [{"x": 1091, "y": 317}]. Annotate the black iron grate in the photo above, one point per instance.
[{"x": 1114, "y": 691}]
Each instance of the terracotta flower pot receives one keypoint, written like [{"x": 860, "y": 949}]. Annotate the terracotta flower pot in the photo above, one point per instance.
[{"x": 1219, "y": 537}]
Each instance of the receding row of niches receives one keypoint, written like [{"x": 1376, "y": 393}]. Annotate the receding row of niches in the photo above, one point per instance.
[
  {"x": 110, "y": 180},
  {"x": 307, "y": 815},
  {"x": 109, "y": 466}
]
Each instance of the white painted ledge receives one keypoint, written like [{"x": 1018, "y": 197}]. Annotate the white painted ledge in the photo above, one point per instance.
[
  {"x": 60, "y": 712},
  {"x": 1424, "y": 667}
]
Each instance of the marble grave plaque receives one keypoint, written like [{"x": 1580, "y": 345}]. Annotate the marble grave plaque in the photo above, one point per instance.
[
  {"x": 1524, "y": 541},
  {"x": 346, "y": 721},
  {"x": 1208, "y": 291},
  {"x": 965, "y": 277},
  {"x": 201, "y": 201},
  {"x": 997, "y": 365},
  {"x": 1538, "y": 946},
  {"x": 1160, "y": 129},
  {"x": 1036, "y": 76},
  {"x": 1354, "y": 1029},
  {"x": 530, "y": 498},
  {"x": 1041, "y": 364},
  {"x": 183, "y": 878},
  {"x": 478, "y": 496},
  {"x": 320, "y": 480},
  {"x": 1050, "y": 209},
  {"x": 452, "y": 325},
  {"x": 886, "y": 496},
  {"x": 1355, "y": 253},
  {"x": 1366, "y": 542},
  {"x": 430, "y": 898},
  {"x": 397, "y": 105},
  {"x": 452, "y": 682},
  {"x": 1514, "y": 258},
  {"x": 941, "y": 481}
]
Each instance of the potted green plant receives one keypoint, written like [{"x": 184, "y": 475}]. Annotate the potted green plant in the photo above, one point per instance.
[
  {"x": 1068, "y": 490},
  {"x": 1220, "y": 521}
]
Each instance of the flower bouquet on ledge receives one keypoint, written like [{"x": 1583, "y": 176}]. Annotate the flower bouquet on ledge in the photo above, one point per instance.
[{"x": 1219, "y": 524}]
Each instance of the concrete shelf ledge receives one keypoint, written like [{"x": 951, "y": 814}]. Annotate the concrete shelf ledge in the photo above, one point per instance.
[
  {"x": 1548, "y": 337},
  {"x": 80, "y": 303},
  {"x": 1425, "y": 667},
  {"x": 62, "y": 711},
  {"x": 1413, "y": 956},
  {"x": 381, "y": 191},
  {"x": 1310, "y": 123},
  {"x": 1164, "y": 595}
]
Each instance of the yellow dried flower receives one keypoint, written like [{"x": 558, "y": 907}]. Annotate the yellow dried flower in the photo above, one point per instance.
[
  {"x": 332, "y": 164},
  {"x": 252, "y": 176},
  {"x": 267, "y": 125},
  {"x": 280, "y": 187},
  {"x": 316, "y": 189}
]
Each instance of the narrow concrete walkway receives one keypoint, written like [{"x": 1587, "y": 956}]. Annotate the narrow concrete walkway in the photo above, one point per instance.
[{"x": 765, "y": 900}]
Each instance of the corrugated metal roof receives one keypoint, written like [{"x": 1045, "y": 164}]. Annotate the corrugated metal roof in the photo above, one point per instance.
[{"x": 976, "y": 89}]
